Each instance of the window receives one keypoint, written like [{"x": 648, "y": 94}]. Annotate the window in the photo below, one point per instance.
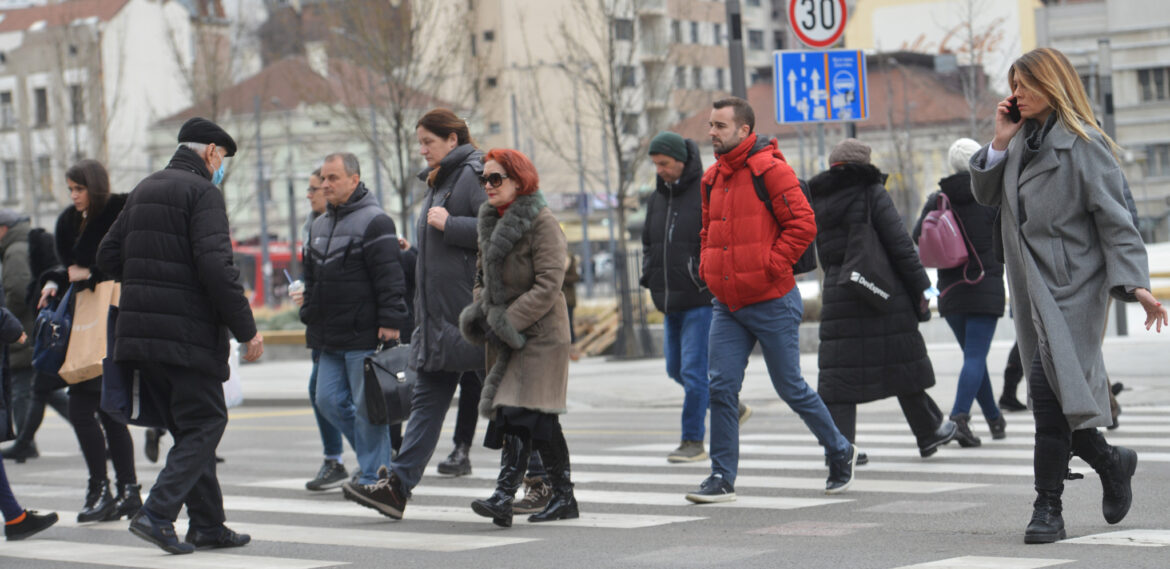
[
  {"x": 623, "y": 29},
  {"x": 778, "y": 39},
  {"x": 675, "y": 31},
  {"x": 41, "y": 102},
  {"x": 628, "y": 75},
  {"x": 489, "y": 35},
  {"x": 630, "y": 123},
  {"x": 719, "y": 79},
  {"x": 697, "y": 77},
  {"x": 756, "y": 40},
  {"x": 45, "y": 178},
  {"x": 10, "y": 194},
  {"x": 718, "y": 33},
  {"x": 1153, "y": 83},
  {"x": 1158, "y": 160},
  {"x": 7, "y": 112},
  {"x": 491, "y": 82},
  {"x": 694, "y": 32},
  {"x": 680, "y": 77},
  {"x": 77, "y": 103},
  {"x": 495, "y": 128}
]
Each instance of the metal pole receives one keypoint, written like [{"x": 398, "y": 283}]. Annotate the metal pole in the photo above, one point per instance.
[
  {"x": 821, "y": 147},
  {"x": 265, "y": 262},
  {"x": 735, "y": 49},
  {"x": 375, "y": 150},
  {"x": 292, "y": 200},
  {"x": 583, "y": 203},
  {"x": 1109, "y": 124},
  {"x": 515, "y": 124}
]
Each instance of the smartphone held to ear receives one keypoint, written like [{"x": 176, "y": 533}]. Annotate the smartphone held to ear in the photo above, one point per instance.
[{"x": 1013, "y": 110}]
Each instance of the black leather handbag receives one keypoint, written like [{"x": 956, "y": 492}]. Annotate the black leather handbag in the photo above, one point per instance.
[
  {"x": 125, "y": 393},
  {"x": 388, "y": 374},
  {"x": 51, "y": 333}
]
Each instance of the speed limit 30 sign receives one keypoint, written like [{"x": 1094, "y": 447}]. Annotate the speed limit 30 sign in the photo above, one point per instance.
[{"x": 817, "y": 23}]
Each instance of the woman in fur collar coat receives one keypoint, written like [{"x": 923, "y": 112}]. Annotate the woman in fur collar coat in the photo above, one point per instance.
[
  {"x": 519, "y": 311},
  {"x": 80, "y": 229}
]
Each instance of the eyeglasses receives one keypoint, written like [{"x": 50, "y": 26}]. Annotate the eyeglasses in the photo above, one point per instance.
[
  {"x": 314, "y": 189},
  {"x": 493, "y": 180}
]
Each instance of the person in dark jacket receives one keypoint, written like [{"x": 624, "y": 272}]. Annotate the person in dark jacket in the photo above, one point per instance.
[
  {"x": 80, "y": 229},
  {"x": 354, "y": 300},
  {"x": 972, "y": 299},
  {"x": 866, "y": 355},
  {"x": 18, "y": 522},
  {"x": 181, "y": 295},
  {"x": 670, "y": 269}
]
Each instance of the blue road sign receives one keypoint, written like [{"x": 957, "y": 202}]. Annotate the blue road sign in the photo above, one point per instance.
[{"x": 820, "y": 86}]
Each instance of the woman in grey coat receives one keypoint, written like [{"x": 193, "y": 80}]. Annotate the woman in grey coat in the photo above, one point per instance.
[{"x": 1068, "y": 241}]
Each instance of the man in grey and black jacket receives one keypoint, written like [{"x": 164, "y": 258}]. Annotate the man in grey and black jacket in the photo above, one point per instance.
[{"x": 354, "y": 300}]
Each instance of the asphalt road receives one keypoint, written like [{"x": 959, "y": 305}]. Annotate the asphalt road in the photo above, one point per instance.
[{"x": 961, "y": 509}]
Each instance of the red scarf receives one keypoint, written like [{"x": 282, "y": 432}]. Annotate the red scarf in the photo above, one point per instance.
[{"x": 735, "y": 159}]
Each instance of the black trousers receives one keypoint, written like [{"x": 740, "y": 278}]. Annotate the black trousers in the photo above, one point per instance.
[
  {"x": 470, "y": 387},
  {"x": 920, "y": 410},
  {"x": 1056, "y": 441},
  {"x": 94, "y": 429},
  {"x": 193, "y": 408}
]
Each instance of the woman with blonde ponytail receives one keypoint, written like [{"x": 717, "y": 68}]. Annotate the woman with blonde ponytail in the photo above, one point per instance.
[{"x": 1069, "y": 242}]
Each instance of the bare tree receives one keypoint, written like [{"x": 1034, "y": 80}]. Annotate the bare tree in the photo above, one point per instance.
[
  {"x": 975, "y": 39},
  {"x": 393, "y": 70}
]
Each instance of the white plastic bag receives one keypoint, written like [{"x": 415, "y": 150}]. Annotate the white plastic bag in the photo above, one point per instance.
[{"x": 233, "y": 389}]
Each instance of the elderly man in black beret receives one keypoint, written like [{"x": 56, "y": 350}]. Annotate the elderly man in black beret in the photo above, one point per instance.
[{"x": 181, "y": 297}]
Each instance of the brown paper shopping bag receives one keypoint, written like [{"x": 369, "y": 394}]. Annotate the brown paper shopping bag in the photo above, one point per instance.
[{"x": 87, "y": 339}]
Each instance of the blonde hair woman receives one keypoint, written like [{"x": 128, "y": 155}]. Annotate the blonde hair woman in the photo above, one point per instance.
[{"x": 1054, "y": 169}]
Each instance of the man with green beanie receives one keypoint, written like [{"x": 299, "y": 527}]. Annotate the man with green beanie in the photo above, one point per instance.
[{"x": 670, "y": 269}]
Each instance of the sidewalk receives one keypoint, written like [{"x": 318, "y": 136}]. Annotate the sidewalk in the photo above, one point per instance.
[{"x": 1138, "y": 361}]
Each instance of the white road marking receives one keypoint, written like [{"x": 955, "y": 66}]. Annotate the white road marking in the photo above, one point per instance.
[
  {"x": 147, "y": 556},
  {"x": 1132, "y": 538},
  {"x": 988, "y": 563}
]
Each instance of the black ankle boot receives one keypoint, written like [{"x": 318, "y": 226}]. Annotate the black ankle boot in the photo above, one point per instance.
[
  {"x": 963, "y": 433},
  {"x": 562, "y": 505},
  {"x": 126, "y": 503},
  {"x": 513, "y": 464},
  {"x": 1047, "y": 525},
  {"x": 20, "y": 451},
  {"x": 458, "y": 463},
  {"x": 1117, "y": 493},
  {"x": 998, "y": 428},
  {"x": 99, "y": 502}
]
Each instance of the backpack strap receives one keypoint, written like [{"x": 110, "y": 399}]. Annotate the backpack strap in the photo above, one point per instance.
[{"x": 943, "y": 200}]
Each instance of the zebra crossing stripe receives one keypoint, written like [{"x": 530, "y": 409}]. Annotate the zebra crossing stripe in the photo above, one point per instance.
[
  {"x": 648, "y": 498},
  {"x": 463, "y": 514},
  {"x": 1132, "y": 538},
  {"x": 349, "y": 537},
  {"x": 875, "y": 452},
  {"x": 147, "y": 556},
  {"x": 971, "y": 562},
  {"x": 930, "y": 466},
  {"x": 1013, "y": 440}
]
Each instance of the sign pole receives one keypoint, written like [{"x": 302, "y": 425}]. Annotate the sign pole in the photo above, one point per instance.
[{"x": 735, "y": 49}]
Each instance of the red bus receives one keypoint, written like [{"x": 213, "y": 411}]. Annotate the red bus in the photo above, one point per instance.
[{"x": 248, "y": 259}]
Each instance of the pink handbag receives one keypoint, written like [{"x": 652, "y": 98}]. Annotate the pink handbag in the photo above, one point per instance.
[{"x": 942, "y": 244}]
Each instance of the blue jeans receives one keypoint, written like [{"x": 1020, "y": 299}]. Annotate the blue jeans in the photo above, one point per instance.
[
  {"x": 9, "y": 507},
  {"x": 341, "y": 397},
  {"x": 684, "y": 345},
  {"x": 974, "y": 332},
  {"x": 330, "y": 436},
  {"x": 775, "y": 324}
]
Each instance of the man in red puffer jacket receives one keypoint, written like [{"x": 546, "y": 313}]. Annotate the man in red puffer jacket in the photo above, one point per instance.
[{"x": 748, "y": 250}]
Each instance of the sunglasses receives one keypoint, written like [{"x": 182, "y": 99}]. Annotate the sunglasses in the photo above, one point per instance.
[{"x": 493, "y": 180}]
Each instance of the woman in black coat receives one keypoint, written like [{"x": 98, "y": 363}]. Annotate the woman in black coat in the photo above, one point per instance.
[
  {"x": 972, "y": 294},
  {"x": 80, "y": 229},
  {"x": 866, "y": 355}
]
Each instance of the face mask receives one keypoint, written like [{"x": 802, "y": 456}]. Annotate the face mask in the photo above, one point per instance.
[{"x": 218, "y": 176}]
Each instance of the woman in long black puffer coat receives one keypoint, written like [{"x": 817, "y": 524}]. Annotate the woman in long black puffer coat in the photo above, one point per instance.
[
  {"x": 971, "y": 303},
  {"x": 80, "y": 229},
  {"x": 866, "y": 355}
]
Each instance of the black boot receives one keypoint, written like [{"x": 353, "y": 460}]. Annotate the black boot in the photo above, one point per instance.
[
  {"x": 99, "y": 502},
  {"x": 513, "y": 464},
  {"x": 458, "y": 463},
  {"x": 1012, "y": 373},
  {"x": 998, "y": 428},
  {"x": 563, "y": 505},
  {"x": 126, "y": 503},
  {"x": 1115, "y": 465},
  {"x": 1047, "y": 525},
  {"x": 1050, "y": 464},
  {"x": 20, "y": 451},
  {"x": 963, "y": 433}
]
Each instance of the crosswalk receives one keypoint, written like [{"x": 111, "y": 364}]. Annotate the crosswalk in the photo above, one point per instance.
[{"x": 624, "y": 484}]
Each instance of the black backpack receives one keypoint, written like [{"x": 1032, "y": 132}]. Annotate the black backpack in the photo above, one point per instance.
[
  {"x": 808, "y": 260},
  {"x": 42, "y": 257}
]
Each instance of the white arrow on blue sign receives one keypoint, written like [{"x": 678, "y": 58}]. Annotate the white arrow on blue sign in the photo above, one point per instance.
[{"x": 820, "y": 86}]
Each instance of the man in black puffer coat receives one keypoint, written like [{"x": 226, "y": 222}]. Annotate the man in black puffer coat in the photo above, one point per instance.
[
  {"x": 670, "y": 269},
  {"x": 354, "y": 299},
  {"x": 181, "y": 295}
]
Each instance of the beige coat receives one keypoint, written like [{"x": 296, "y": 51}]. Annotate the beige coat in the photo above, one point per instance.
[{"x": 518, "y": 300}]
